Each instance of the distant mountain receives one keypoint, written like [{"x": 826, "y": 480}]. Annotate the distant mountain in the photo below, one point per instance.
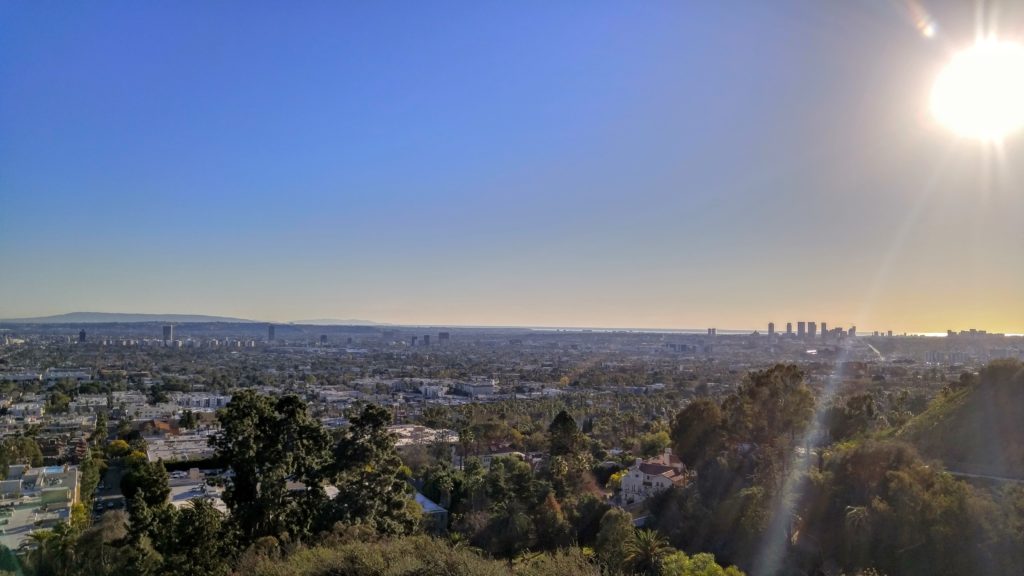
[
  {"x": 336, "y": 322},
  {"x": 107, "y": 317}
]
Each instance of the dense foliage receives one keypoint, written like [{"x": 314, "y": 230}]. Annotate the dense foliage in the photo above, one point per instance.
[{"x": 836, "y": 488}]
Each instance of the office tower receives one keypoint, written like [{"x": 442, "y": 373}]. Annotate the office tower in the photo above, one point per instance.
[
  {"x": 412, "y": 341},
  {"x": 81, "y": 335},
  {"x": 824, "y": 330},
  {"x": 323, "y": 339},
  {"x": 771, "y": 329},
  {"x": 443, "y": 337},
  {"x": 426, "y": 340},
  {"x": 812, "y": 329},
  {"x": 789, "y": 328},
  {"x": 853, "y": 331},
  {"x": 709, "y": 331},
  {"x": 890, "y": 334},
  {"x": 270, "y": 332},
  {"x": 801, "y": 329},
  {"x": 168, "y": 334}
]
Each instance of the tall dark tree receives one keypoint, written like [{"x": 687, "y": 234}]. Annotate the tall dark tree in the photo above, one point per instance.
[
  {"x": 147, "y": 479},
  {"x": 266, "y": 443},
  {"x": 772, "y": 405},
  {"x": 697, "y": 432},
  {"x": 366, "y": 471},
  {"x": 564, "y": 435},
  {"x": 198, "y": 545}
]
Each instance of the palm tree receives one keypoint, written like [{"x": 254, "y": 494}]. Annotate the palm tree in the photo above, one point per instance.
[
  {"x": 38, "y": 552},
  {"x": 644, "y": 551},
  {"x": 466, "y": 439}
]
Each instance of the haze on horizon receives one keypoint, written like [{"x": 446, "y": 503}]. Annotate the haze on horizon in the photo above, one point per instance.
[{"x": 658, "y": 165}]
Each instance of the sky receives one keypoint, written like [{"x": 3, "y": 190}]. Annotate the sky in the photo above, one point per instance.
[{"x": 599, "y": 164}]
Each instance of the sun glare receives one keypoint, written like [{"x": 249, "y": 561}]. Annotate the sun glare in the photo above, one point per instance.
[{"x": 980, "y": 93}]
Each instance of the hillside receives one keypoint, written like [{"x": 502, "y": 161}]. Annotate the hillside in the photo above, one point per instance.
[
  {"x": 417, "y": 555},
  {"x": 978, "y": 425}
]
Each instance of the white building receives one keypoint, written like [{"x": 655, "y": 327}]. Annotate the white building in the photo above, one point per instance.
[
  {"x": 26, "y": 410},
  {"x": 203, "y": 401},
  {"x": 649, "y": 477},
  {"x": 76, "y": 374},
  {"x": 477, "y": 388}
]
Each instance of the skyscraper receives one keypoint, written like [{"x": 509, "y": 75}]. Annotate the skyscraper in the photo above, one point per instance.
[
  {"x": 824, "y": 330},
  {"x": 443, "y": 337},
  {"x": 168, "y": 334},
  {"x": 771, "y": 329},
  {"x": 812, "y": 329},
  {"x": 426, "y": 339},
  {"x": 789, "y": 328},
  {"x": 81, "y": 335},
  {"x": 270, "y": 332},
  {"x": 801, "y": 329}
]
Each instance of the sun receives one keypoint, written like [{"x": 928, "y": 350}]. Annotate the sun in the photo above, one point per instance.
[{"x": 980, "y": 93}]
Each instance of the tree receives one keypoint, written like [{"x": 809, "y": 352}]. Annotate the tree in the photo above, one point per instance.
[
  {"x": 564, "y": 435},
  {"x": 654, "y": 443},
  {"x": 96, "y": 547},
  {"x": 40, "y": 553},
  {"x": 679, "y": 564},
  {"x": 198, "y": 545},
  {"x": 366, "y": 470},
  {"x": 616, "y": 529},
  {"x": 644, "y": 551},
  {"x": 118, "y": 449},
  {"x": 99, "y": 434},
  {"x": 553, "y": 531},
  {"x": 772, "y": 404},
  {"x": 188, "y": 420},
  {"x": 267, "y": 443},
  {"x": 57, "y": 402},
  {"x": 697, "y": 432},
  {"x": 147, "y": 479}
]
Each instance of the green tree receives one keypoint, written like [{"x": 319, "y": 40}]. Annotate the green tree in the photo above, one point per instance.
[
  {"x": 680, "y": 564},
  {"x": 772, "y": 405},
  {"x": 366, "y": 470},
  {"x": 697, "y": 432},
  {"x": 97, "y": 547},
  {"x": 552, "y": 529},
  {"x": 616, "y": 529},
  {"x": 564, "y": 435},
  {"x": 654, "y": 443},
  {"x": 267, "y": 443},
  {"x": 198, "y": 545},
  {"x": 188, "y": 420},
  {"x": 644, "y": 551},
  {"x": 147, "y": 479}
]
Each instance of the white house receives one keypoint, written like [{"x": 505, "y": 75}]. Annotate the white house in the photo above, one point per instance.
[{"x": 649, "y": 477}]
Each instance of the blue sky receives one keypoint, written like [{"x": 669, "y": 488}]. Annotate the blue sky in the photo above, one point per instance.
[{"x": 645, "y": 164}]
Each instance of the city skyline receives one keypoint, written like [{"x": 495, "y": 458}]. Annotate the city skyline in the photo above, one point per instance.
[
  {"x": 768, "y": 329},
  {"x": 657, "y": 166}
]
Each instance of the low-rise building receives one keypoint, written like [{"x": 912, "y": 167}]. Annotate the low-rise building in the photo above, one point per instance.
[{"x": 35, "y": 498}]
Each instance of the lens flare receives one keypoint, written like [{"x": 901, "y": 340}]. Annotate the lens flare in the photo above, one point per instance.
[{"x": 980, "y": 93}]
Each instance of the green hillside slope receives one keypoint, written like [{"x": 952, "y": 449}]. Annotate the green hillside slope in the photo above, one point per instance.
[{"x": 976, "y": 426}]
